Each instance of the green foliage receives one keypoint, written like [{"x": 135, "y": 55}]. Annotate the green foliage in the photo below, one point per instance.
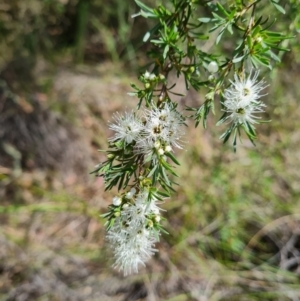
[
  {"x": 174, "y": 39},
  {"x": 85, "y": 30}
]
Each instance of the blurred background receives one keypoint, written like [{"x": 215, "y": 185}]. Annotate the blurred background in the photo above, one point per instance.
[{"x": 234, "y": 223}]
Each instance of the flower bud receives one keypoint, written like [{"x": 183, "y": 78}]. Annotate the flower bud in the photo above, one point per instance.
[
  {"x": 157, "y": 144},
  {"x": 131, "y": 193},
  {"x": 211, "y": 78},
  {"x": 147, "y": 85},
  {"x": 146, "y": 75},
  {"x": 192, "y": 69},
  {"x": 117, "y": 201},
  {"x": 133, "y": 190},
  {"x": 161, "y": 151},
  {"x": 125, "y": 206},
  {"x": 161, "y": 77},
  {"x": 161, "y": 98},
  {"x": 150, "y": 223},
  {"x": 168, "y": 148},
  {"x": 157, "y": 218},
  {"x": 152, "y": 77},
  {"x": 213, "y": 67},
  {"x": 259, "y": 39}
]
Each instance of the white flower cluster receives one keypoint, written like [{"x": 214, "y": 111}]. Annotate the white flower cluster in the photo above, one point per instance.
[
  {"x": 242, "y": 98},
  {"x": 161, "y": 130},
  {"x": 132, "y": 237},
  {"x": 134, "y": 224}
]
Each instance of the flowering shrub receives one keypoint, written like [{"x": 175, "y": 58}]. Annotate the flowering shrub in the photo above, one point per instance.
[{"x": 140, "y": 158}]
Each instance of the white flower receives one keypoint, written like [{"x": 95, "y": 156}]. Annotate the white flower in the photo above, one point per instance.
[
  {"x": 172, "y": 136},
  {"x": 240, "y": 112},
  {"x": 242, "y": 99},
  {"x": 135, "y": 216},
  {"x": 166, "y": 115},
  {"x": 153, "y": 128},
  {"x": 147, "y": 147},
  {"x": 245, "y": 89},
  {"x": 132, "y": 250},
  {"x": 127, "y": 127},
  {"x": 132, "y": 243},
  {"x": 142, "y": 197},
  {"x": 164, "y": 125}
]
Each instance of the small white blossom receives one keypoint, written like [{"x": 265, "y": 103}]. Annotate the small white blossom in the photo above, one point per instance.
[
  {"x": 242, "y": 99},
  {"x": 164, "y": 125},
  {"x": 135, "y": 216},
  {"x": 132, "y": 250},
  {"x": 127, "y": 127},
  {"x": 245, "y": 89},
  {"x": 147, "y": 147},
  {"x": 172, "y": 136},
  {"x": 141, "y": 198},
  {"x": 153, "y": 129},
  {"x": 241, "y": 112}
]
